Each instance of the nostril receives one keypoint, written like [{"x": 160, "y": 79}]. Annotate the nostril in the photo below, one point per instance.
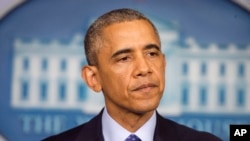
[{"x": 144, "y": 71}]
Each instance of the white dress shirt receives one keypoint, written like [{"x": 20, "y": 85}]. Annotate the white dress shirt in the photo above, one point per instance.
[{"x": 112, "y": 131}]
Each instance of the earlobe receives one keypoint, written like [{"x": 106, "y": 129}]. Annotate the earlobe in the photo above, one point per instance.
[{"x": 91, "y": 78}]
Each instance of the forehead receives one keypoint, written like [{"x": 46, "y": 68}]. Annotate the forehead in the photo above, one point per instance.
[
  {"x": 130, "y": 25},
  {"x": 130, "y": 32}
]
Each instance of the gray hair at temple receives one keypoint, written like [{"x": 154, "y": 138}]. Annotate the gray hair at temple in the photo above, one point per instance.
[{"x": 93, "y": 39}]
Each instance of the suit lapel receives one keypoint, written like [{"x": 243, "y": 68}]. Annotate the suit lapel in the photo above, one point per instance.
[
  {"x": 165, "y": 130},
  {"x": 92, "y": 131}
]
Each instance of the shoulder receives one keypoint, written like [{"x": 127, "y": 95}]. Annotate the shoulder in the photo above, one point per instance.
[
  {"x": 70, "y": 134},
  {"x": 181, "y": 132},
  {"x": 87, "y": 130},
  {"x": 194, "y": 135}
]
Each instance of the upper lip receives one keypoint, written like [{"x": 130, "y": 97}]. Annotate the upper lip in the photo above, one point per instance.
[{"x": 144, "y": 86}]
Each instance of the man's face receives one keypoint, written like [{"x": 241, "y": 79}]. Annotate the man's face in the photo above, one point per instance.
[{"x": 131, "y": 67}]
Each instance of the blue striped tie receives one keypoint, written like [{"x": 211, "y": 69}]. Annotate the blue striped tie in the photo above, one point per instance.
[{"x": 132, "y": 137}]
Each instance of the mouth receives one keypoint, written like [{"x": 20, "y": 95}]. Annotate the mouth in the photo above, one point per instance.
[{"x": 145, "y": 87}]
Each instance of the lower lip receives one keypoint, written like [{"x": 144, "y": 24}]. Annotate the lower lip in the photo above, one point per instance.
[{"x": 146, "y": 89}]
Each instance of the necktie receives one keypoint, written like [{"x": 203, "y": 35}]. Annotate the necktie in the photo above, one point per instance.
[{"x": 132, "y": 137}]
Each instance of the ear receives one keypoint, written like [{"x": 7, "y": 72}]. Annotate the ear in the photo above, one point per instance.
[
  {"x": 91, "y": 77},
  {"x": 165, "y": 61}
]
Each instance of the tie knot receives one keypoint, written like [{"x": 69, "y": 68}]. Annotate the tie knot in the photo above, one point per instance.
[{"x": 132, "y": 137}]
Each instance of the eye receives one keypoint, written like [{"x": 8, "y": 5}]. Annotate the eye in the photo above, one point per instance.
[
  {"x": 124, "y": 59},
  {"x": 153, "y": 53}
]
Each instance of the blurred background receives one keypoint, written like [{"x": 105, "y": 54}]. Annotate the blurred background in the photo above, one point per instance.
[{"x": 206, "y": 42}]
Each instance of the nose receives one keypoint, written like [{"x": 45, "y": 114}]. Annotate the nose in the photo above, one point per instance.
[{"x": 142, "y": 67}]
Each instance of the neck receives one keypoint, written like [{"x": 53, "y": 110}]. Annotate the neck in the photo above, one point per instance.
[{"x": 131, "y": 121}]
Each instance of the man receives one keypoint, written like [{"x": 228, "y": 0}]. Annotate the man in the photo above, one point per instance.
[{"x": 125, "y": 62}]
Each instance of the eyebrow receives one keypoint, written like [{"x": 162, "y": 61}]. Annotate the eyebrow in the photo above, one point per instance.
[
  {"x": 129, "y": 50},
  {"x": 152, "y": 46},
  {"x": 122, "y": 51}
]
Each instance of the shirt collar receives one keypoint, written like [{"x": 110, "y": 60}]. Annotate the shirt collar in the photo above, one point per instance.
[{"x": 112, "y": 131}]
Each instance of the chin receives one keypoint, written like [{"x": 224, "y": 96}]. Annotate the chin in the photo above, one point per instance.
[{"x": 142, "y": 109}]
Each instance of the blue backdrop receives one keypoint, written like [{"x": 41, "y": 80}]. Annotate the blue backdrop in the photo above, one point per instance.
[{"x": 207, "y": 44}]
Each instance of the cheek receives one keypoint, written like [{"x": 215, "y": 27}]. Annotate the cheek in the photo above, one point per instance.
[
  {"x": 123, "y": 81},
  {"x": 116, "y": 80},
  {"x": 160, "y": 69},
  {"x": 122, "y": 73}
]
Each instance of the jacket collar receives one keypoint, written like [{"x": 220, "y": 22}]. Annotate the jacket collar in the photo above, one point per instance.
[
  {"x": 93, "y": 130},
  {"x": 165, "y": 129}
]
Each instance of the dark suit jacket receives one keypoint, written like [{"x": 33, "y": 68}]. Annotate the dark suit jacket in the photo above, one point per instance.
[{"x": 166, "y": 130}]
